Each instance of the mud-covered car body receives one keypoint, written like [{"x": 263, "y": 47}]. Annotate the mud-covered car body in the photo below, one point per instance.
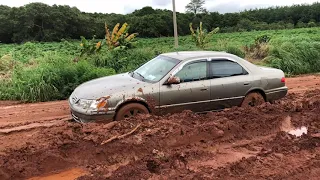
[{"x": 207, "y": 81}]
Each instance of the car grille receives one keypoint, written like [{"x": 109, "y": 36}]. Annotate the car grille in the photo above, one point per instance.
[{"x": 74, "y": 99}]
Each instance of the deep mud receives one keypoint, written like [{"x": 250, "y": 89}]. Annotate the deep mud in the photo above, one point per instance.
[{"x": 237, "y": 143}]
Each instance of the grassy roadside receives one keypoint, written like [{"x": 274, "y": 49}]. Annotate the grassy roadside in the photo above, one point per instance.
[{"x": 49, "y": 71}]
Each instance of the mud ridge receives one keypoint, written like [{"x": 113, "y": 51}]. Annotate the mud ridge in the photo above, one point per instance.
[{"x": 235, "y": 143}]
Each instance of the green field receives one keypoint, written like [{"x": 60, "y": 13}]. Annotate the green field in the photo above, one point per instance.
[{"x": 50, "y": 71}]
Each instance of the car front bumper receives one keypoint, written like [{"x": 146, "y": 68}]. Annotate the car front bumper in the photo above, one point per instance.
[{"x": 82, "y": 116}]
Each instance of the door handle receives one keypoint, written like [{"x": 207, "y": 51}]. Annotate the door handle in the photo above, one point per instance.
[
  {"x": 246, "y": 83},
  {"x": 204, "y": 89}
]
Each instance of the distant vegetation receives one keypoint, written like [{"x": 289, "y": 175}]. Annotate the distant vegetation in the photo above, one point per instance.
[
  {"x": 50, "y": 71},
  {"x": 39, "y": 69},
  {"x": 40, "y": 22}
]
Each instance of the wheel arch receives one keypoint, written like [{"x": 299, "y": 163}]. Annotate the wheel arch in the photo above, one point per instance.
[
  {"x": 258, "y": 90},
  {"x": 139, "y": 101}
]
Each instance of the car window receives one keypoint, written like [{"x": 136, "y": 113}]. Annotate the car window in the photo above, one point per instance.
[
  {"x": 193, "y": 72},
  {"x": 226, "y": 68},
  {"x": 155, "y": 69}
]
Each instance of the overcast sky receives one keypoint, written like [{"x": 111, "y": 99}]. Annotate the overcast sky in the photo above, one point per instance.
[{"x": 127, "y": 6}]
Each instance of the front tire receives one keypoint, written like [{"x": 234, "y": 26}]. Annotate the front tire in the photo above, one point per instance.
[
  {"x": 252, "y": 100},
  {"x": 130, "y": 110}
]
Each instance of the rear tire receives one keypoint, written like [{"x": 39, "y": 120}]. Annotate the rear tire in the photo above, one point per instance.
[
  {"x": 252, "y": 100},
  {"x": 130, "y": 110}
]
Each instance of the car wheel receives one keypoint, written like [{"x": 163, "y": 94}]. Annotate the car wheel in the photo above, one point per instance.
[
  {"x": 131, "y": 110},
  {"x": 253, "y": 99}
]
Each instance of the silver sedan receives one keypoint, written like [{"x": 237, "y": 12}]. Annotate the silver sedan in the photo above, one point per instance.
[{"x": 200, "y": 81}]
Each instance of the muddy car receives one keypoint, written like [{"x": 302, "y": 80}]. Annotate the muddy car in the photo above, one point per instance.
[{"x": 199, "y": 81}]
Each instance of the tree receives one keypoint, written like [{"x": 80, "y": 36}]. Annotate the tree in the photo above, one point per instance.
[
  {"x": 196, "y": 6},
  {"x": 6, "y": 24},
  {"x": 144, "y": 11},
  {"x": 41, "y": 22},
  {"x": 245, "y": 25},
  {"x": 200, "y": 36}
]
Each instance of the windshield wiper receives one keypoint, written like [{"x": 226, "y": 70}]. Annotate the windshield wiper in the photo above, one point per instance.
[
  {"x": 236, "y": 74},
  {"x": 131, "y": 73},
  {"x": 140, "y": 75}
]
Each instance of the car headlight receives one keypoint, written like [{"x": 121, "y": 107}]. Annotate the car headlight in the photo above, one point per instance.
[
  {"x": 85, "y": 104},
  {"x": 93, "y": 105}
]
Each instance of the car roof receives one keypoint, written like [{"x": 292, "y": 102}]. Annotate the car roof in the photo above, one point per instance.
[{"x": 187, "y": 55}]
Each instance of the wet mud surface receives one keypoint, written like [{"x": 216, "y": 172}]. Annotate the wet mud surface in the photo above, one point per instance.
[{"x": 238, "y": 143}]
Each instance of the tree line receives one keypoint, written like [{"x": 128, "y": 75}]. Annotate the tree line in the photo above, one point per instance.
[{"x": 41, "y": 22}]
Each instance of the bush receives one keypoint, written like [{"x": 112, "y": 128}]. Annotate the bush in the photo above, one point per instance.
[
  {"x": 260, "y": 49},
  {"x": 200, "y": 36},
  {"x": 296, "y": 58},
  {"x": 54, "y": 79},
  {"x": 123, "y": 60},
  {"x": 7, "y": 63},
  {"x": 236, "y": 51}
]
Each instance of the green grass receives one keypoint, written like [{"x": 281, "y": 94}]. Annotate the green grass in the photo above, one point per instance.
[{"x": 47, "y": 71}]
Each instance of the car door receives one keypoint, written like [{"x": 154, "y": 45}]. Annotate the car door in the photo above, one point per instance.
[
  {"x": 193, "y": 92},
  {"x": 229, "y": 83}
]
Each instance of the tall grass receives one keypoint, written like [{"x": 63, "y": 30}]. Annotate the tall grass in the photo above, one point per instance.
[
  {"x": 295, "y": 57},
  {"x": 49, "y": 71},
  {"x": 54, "y": 78}
]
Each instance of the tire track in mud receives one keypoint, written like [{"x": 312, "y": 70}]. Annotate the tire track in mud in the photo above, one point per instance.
[
  {"x": 32, "y": 125},
  {"x": 233, "y": 144},
  {"x": 221, "y": 145},
  {"x": 22, "y": 114}
]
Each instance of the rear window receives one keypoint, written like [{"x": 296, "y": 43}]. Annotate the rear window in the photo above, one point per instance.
[{"x": 226, "y": 68}]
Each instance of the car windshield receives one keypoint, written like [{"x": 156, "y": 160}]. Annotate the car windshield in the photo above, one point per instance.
[{"x": 155, "y": 69}]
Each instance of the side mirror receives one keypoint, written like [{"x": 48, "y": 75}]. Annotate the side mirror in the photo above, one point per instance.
[{"x": 173, "y": 80}]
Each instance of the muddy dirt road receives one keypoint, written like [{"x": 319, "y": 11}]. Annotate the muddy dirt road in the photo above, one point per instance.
[{"x": 38, "y": 142}]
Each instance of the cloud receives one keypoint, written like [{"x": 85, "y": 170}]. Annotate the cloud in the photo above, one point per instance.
[
  {"x": 128, "y": 9},
  {"x": 127, "y": 6},
  {"x": 230, "y": 7},
  {"x": 161, "y": 2}
]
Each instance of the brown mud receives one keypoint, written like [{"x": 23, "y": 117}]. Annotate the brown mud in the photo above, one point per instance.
[{"x": 238, "y": 143}]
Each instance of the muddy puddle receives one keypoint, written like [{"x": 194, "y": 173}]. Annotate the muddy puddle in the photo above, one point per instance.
[{"x": 290, "y": 129}]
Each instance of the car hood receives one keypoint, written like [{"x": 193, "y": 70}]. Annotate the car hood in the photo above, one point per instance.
[{"x": 106, "y": 86}]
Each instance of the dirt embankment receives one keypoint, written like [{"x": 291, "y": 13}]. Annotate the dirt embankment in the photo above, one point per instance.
[{"x": 233, "y": 144}]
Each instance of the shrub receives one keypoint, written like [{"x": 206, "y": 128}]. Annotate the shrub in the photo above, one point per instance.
[
  {"x": 123, "y": 61},
  {"x": 262, "y": 39},
  {"x": 26, "y": 52},
  {"x": 296, "y": 58},
  {"x": 236, "y": 51},
  {"x": 200, "y": 37},
  {"x": 89, "y": 47},
  {"x": 7, "y": 63},
  {"x": 260, "y": 48},
  {"x": 54, "y": 79},
  {"x": 120, "y": 38}
]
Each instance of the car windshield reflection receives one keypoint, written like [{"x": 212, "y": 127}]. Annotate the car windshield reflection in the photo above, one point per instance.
[{"x": 155, "y": 69}]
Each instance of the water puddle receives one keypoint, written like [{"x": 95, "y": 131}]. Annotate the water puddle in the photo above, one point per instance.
[
  {"x": 288, "y": 128},
  {"x": 299, "y": 132},
  {"x": 70, "y": 174}
]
